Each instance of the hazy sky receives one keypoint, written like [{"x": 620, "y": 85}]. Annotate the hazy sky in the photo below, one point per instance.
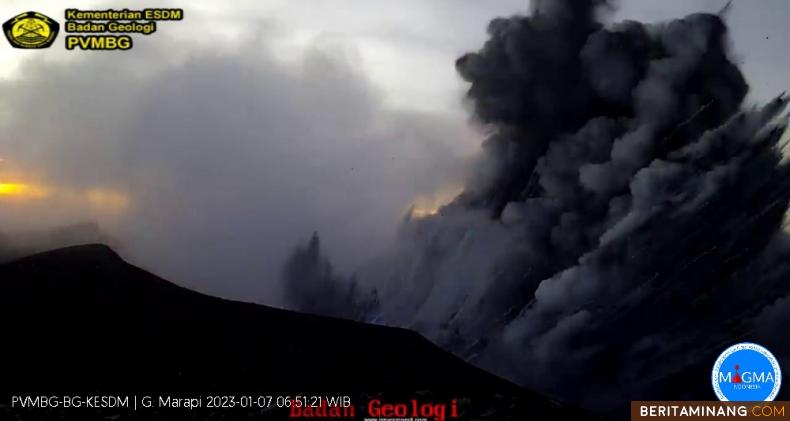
[
  {"x": 408, "y": 45},
  {"x": 219, "y": 142}
]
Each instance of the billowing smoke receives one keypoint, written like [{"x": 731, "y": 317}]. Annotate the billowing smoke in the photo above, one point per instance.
[
  {"x": 205, "y": 165},
  {"x": 624, "y": 223}
]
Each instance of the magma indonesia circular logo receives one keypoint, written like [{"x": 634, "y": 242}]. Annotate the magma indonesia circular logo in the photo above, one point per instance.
[
  {"x": 746, "y": 372},
  {"x": 31, "y": 30}
]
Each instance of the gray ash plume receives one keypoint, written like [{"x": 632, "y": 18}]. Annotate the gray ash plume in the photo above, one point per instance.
[
  {"x": 314, "y": 288},
  {"x": 624, "y": 222}
]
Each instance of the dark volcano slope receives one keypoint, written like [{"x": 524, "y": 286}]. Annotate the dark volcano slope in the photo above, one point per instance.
[{"x": 82, "y": 321}]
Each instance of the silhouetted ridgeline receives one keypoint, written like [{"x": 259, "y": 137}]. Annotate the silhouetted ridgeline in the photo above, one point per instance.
[{"x": 82, "y": 321}]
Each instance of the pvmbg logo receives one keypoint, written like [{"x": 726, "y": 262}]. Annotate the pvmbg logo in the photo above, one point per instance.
[
  {"x": 31, "y": 30},
  {"x": 746, "y": 372}
]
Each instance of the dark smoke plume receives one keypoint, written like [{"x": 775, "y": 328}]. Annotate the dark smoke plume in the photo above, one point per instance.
[
  {"x": 626, "y": 219},
  {"x": 314, "y": 287}
]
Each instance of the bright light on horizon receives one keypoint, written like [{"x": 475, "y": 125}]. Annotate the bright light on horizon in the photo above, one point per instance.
[
  {"x": 22, "y": 190},
  {"x": 429, "y": 204}
]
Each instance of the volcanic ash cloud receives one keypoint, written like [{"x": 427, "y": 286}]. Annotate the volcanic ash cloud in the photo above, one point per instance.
[{"x": 624, "y": 221}]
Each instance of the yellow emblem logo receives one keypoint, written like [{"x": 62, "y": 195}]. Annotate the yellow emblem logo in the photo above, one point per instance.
[{"x": 31, "y": 30}]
